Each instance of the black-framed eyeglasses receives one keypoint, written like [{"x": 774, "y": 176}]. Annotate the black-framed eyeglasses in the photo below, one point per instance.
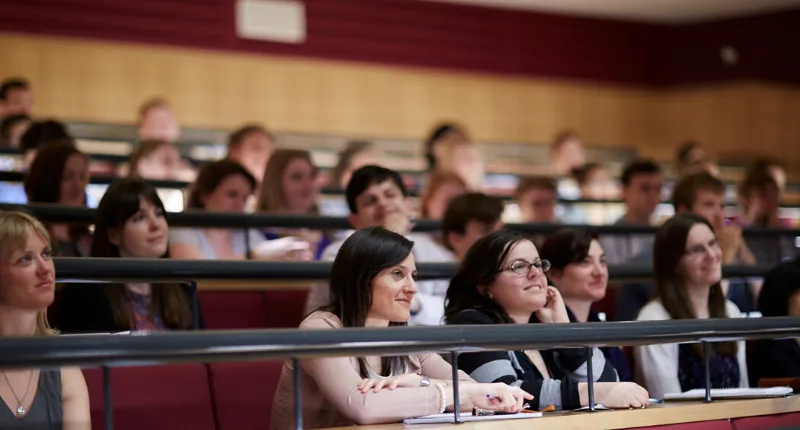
[{"x": 522, "y": 267}]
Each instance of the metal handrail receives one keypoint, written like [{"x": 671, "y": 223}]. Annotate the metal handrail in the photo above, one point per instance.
[
  {"x": 193, "y": 218},
  {"x": 137, "y": 269},
  {"x": 8, "y": 176},
  {"x": 211, "y": 346}
]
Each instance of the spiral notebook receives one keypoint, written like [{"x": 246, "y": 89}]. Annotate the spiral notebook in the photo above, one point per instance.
[
  {"x": 468, "y": 417},
  {"x": 731, "y": 393}
]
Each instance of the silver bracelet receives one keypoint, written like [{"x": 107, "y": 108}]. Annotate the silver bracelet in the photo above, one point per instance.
[{"x": 442, "y": 397}]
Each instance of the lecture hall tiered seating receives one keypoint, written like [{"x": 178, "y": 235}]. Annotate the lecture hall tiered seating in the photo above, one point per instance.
[{"x": 552, "y": 92}]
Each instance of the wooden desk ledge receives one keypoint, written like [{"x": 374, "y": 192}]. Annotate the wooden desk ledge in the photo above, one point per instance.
[{"x": 654, "y": 415}]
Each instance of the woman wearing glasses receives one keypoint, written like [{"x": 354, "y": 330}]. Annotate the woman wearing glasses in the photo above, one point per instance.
[
  {"x": 687, "y": 270},
  {"x": 502, "y": 281},
  {"x": 372, "y": 285}
]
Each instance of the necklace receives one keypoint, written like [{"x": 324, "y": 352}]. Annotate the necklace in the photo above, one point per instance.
[{"x": 20, "y": 408}]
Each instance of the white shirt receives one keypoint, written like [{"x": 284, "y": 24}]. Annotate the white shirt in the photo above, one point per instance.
[
  {"x": 431, "y": 294},
  {"x": 657, "y": 365}
]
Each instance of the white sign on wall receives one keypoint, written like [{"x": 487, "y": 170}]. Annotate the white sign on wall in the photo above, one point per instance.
[{"x": 271, "y": 20}]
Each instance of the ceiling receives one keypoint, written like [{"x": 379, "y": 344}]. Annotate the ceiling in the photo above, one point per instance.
[{"x": 658, "y": 11}]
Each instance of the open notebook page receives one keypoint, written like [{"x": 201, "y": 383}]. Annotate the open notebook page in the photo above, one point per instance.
[
  {"x": 730, "y": 393},
  {"x": 468, "y": 417}
]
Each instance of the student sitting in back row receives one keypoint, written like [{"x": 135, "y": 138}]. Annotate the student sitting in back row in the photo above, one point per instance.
[
  {"x": 377, "y": 197},
  {"x": 641, "y": 192},
  {"x": 290, "y": 188},
  {"x": 704, "y": 195},
  {"x": 468, "y": 218},
  {"x": 225, "y": 186}
]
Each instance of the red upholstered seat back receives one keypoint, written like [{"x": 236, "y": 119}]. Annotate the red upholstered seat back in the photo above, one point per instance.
[
  {"x": 252, "y": 309},
  {"x": 243, "y": 393},
  {"x": 608, "y": 304},
  {"x": 153, "y": 398},
  {"x": 702, "y": 425},
  {"x": 781, "y": 421},
  {"x": 285, "y": 308},
  {"x": 227, "y": 310},
  {"x": 94, "y": 382}
]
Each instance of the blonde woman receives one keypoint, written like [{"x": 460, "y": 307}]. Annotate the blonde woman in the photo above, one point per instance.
[
  {"x": 290, "y": 187},
  {"x": 33, "y": 398}
]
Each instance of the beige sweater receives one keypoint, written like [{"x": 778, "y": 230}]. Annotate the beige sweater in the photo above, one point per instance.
[{"x": 330, "y": 395}]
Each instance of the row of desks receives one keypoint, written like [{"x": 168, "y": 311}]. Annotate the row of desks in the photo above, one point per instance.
[{"x": 669, "y": 413}]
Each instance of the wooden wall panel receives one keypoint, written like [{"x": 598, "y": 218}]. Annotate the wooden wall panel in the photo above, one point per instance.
[
  {"x": 103, "y": 81},
  {"x": 739, "y": 121},
  {"x": 387, "y": 32}
]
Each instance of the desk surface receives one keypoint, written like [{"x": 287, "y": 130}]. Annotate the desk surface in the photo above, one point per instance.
[{"x": 668, "y": 413}]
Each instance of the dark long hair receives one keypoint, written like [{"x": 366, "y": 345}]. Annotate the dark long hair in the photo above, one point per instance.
[
  {"x": 271, "y": 197},
  {"x": 119, "y": 203},
  {"x": 211, "y": 175},
  {"x": 668, "y": 250},
  {"x": 43, "y": 180},
  {"x": 479, "y": 268},
  {"x": 362, "y": 256},
  {"x": 567, "y": 246}
]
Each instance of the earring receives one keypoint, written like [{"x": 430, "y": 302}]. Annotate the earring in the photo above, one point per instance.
[{"x": 491, "y": 296}]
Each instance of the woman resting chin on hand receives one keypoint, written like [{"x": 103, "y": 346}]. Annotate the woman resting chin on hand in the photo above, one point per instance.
[
  {"x": 374, "y": 275},
  {"x": 502, "y": 281}
]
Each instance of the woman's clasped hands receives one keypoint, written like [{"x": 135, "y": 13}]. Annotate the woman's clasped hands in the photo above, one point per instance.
[{"x": 494, "y": 397}]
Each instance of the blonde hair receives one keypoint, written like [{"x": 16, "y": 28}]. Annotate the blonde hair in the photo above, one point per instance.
[
  {"x": 270, "y": 196},
  {"x": 14, "y": 230},
  {"x": 147, "y": 106}
]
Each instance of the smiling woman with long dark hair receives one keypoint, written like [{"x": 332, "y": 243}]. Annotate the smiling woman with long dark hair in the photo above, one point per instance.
[
  {"x": 502, "y": 281},
  {"x": 687, "y": 268},
  {"x": 131, "y": 223},
  {"x": 372, "y": 285}
]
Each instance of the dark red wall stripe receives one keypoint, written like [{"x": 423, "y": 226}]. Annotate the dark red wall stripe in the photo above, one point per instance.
[
  {"x": 767, "y": 46},
  {"x": 417, "y": 33}
]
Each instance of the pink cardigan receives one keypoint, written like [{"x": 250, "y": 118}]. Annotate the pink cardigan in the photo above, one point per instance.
[{"x": 330, "y": 396}]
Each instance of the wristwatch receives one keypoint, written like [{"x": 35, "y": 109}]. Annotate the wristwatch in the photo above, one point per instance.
[{"x": 424, "y": 381}]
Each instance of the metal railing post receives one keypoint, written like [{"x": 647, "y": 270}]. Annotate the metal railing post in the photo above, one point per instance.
[
  {"x": 590, "y": 376},
  {"x": 108, "y": 410},
  {"x": 707, "y": 369},
  {"x": 456, "y": 397},
  {"x": 298, "y": 401}
]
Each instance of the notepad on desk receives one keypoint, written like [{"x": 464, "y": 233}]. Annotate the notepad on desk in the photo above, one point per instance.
[
  {"x": 468, "y": 417},
  {"x": 730, "y": 393}
]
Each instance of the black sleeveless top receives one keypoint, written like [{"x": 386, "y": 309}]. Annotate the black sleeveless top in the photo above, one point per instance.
[{"x": 46, "y": 411}]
